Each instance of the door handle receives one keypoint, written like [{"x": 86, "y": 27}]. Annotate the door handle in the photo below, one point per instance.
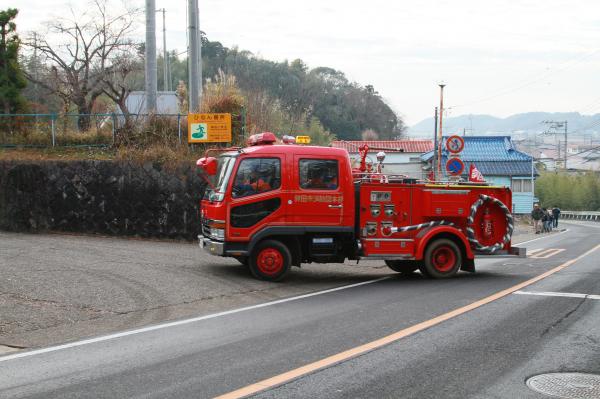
[{"x": 336, "y": 206}]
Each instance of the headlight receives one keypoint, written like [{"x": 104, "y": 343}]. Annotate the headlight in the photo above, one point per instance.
[
  {"x": 218, "y": 197},
  {"x": 217, "y": 234}
]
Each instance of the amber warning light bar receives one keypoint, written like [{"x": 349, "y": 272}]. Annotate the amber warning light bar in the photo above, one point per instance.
[{"x": 269, "y": 138}]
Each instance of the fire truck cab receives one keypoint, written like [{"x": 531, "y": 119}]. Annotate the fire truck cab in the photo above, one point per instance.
[{"x": 273, "y": 206}]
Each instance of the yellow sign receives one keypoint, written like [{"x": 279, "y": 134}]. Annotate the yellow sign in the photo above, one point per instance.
[
  {"x": 302, "y": 139},
  {"x": 209, "y": 128}
]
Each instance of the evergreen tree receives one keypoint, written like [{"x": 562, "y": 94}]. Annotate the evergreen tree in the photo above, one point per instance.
[{"x": 12, "y": 79}]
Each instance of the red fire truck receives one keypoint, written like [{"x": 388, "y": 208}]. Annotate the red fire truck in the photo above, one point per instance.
[{"x": 273, "y": 206}]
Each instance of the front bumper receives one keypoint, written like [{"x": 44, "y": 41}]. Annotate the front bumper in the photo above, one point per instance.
[
  {"x": 210, "y": 246},
  {"x": 518, "y": 252}
]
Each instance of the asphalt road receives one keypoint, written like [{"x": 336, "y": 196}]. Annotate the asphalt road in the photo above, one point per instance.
[
  {"x": 487, "y": 352},
  {"x": 56, "y": 288}
]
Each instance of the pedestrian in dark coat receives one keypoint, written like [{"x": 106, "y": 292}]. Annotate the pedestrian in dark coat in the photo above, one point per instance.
[
  {"x": 545, "y": 220},
  {"x": 536, "y": 215},
  {"x": 555, "y": 214}
]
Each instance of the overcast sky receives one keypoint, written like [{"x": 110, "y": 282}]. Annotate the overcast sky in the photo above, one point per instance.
[{"x": 496, "y": 57}]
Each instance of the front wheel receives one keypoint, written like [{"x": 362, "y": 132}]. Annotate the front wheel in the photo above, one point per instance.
[
  {"x": 270, "y": 260},
  {"x": 403, "y": 266},
  {"x": 442, "y": 259}
]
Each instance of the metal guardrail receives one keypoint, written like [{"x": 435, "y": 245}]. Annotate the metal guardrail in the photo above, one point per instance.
[
  {"x": 53, "y": 129},
  {"x": 580, "y": 215},
  {"x": 65, "y": 129}
]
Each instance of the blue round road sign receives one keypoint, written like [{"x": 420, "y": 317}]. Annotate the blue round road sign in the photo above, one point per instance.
[{"x": 455, "y": 166}]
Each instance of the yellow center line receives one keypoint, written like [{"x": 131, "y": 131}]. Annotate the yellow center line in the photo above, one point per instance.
[{"x": 378, "y": 343}]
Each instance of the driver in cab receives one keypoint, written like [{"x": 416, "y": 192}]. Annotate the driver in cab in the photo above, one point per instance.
[{"x": 250, "y": 182}]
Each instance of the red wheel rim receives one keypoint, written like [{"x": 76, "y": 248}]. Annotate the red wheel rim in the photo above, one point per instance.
[
  {"x": 269, "y": 261},
  {"x": 443, "y": 259}
]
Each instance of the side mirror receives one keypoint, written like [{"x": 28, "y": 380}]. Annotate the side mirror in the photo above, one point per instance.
[{"x": 208, "y": 165}]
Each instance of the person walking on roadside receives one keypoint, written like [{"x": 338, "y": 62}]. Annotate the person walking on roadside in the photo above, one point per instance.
[
  {"x": 537, "y": 214},
  {"x": 549, "y": 221},
  {"x": 544, "y": 220},
  {"x": 555, "y": 214}
]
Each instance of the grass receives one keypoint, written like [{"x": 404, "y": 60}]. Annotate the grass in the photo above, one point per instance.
[
  {"x": 166, "y": 155},
  {"x": 56, "y": 154}
]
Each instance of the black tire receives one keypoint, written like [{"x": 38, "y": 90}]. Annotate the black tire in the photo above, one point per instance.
[
  {"x": 270, "y": 260},
  {"x": 403, "y": 266},
  {"x": 442, "y": 259}
]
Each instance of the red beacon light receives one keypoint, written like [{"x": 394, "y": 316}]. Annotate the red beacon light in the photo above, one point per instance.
[
  {"x": 208, "y": 165},
  {"x": 261, "y": 139}
]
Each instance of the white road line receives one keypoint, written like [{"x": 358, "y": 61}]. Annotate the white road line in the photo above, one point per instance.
[
  {"x": 180, "y": 322},
  {"x": 533, "y": 251},
  {"x": 541, "y": 238},
  {"x": 560, "y": 294},
  {"x": 547, "y": 253},
  {"x": 577, "y": 223},
  {"x": 195, "y": 319}
]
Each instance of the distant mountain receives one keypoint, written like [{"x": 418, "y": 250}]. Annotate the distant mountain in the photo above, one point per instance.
[{"x": 529, "y": 122}]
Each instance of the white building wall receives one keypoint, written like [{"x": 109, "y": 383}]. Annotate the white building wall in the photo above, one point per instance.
[{"x": 166, "y": 102}]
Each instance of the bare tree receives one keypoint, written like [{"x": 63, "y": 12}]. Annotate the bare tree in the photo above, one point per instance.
[
  {"x": 118, "y": 84},
  {"x": 85, "y": 53}
]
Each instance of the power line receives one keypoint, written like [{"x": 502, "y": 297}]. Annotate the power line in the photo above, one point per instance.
[
  {"x": 584, "y": 151},
  {"x": 554, "y": 126}
]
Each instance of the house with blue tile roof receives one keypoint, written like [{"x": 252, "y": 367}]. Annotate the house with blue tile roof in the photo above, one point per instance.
[{"x": 500, "y": 163}]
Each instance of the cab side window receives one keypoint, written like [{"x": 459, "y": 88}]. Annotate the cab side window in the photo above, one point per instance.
[
  {"x": 255, "y": 176},
  {"x": 318, "y": 174}
]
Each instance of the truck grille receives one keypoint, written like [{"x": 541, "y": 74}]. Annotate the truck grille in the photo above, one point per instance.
[{"x": 205, "y": 228}]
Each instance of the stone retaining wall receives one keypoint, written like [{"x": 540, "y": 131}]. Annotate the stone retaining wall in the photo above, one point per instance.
[{"x": 116, "y": 198}]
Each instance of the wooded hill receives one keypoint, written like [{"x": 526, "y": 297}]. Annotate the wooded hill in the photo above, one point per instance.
[{"x": 343, "y": 107}]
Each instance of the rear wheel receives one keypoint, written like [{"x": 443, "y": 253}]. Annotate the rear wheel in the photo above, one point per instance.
[
  {"x": 270, "y": 260},
  {"x": 403, "y": 266},
  {"x": 442, "y": 259}
]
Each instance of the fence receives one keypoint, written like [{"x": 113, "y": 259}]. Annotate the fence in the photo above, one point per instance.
[
  {"x": 581, "y": 215},
  {"x": 90, "y": 130}
]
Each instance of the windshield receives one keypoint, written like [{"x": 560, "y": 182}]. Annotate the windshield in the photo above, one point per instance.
[{"x": 220, "y": 179}]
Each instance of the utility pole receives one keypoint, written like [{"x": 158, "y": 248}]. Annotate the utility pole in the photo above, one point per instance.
[
  {"x": 151, "y": 76},
  {"x": 166, "y": 81},
  {"x": 35, "y": 68},
  {"x": 566, "y": 155},
  {"x": 440, "y": 134},
  {"x": 435, "y": 144},
  {"x": 552, "y": 129},
  {"x": 36, "y": 94},
  {"x": 194, "y": 57}
]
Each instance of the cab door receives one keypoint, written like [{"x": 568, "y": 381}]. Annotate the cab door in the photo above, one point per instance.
[
  {"x": 256, "y": 196},
  {"x": 316, "y": 197}
]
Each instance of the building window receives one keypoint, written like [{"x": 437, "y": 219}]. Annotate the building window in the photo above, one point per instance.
[
  {"x": 318, "y": 174},
  {"x": 521, "y": 186}
]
